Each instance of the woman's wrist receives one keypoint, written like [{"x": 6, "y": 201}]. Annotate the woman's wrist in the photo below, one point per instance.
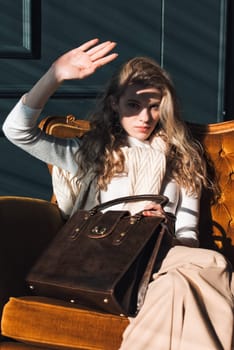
[{"x": 37, "y": 97}]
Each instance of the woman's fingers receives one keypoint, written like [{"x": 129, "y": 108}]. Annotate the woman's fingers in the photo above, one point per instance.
[
  {"x": 99, "y": 54},
  {"x": 153, "y": 209},
  {"x": 83, "y": 61},
  {"x": 107, "y": 59},
  {"x": 88, "y": 44},
  {"x": 95, "y": 49},
  {"x": 153, "y": 213}
]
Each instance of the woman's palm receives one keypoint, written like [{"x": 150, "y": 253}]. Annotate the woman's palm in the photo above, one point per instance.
[{"x": 83, "y": 61}]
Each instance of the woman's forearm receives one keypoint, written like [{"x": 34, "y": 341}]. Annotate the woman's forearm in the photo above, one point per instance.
[{"x": 37, "y": 97}]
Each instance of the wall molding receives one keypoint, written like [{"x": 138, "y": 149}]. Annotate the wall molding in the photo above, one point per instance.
[
  {"x": 29, "y": 45},
  {"x": 68, "y": 91}
]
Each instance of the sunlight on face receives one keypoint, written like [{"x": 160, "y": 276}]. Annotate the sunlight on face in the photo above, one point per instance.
[{"x": 138, "y": 109}]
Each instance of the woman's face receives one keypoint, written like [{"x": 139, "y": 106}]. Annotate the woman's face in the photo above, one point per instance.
[{"x": 138, "y": 110}]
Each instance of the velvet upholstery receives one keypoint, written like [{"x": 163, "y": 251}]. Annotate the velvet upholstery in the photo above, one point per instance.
[
  {"x": 217, "y": 216},
  {"x": 18, "y": 346},
  {"x": 27, "y": 225},
  {"x": 62, "y": 324}
]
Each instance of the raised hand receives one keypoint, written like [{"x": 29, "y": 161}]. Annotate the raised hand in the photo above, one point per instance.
[
  {"x": 78, "y": 63},
  {"x": 83, "y": 61}
]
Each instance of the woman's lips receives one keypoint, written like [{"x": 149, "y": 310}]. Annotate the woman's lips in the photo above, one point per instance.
[{"x": 143, "y": 128}]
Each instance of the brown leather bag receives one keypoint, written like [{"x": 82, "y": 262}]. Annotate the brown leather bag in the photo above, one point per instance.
[{"x": 103, "y": 261}]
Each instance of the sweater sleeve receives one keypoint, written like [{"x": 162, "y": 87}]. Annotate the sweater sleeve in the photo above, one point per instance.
[
  {"x": 20, "y": 127},
  {"x": 186, "y": 207},
  {"x": 187, "y": 215}
]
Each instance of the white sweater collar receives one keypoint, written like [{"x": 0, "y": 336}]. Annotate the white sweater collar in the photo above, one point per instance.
[{"x": 135, "y": 142}]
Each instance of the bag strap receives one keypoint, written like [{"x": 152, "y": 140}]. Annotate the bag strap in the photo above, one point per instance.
[
  {"x": 160, "y": 199},
  {"x": 148, "y": 272}
]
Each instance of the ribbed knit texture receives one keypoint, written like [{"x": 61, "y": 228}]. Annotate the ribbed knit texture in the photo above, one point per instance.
[{"x": 145, "y": 166}]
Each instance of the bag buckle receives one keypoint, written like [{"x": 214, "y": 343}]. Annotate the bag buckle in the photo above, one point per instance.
[{"x": 97, "y": 231}]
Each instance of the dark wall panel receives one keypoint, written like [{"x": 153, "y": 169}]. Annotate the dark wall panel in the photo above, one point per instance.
[
  {"x": 187, "y": 38},
  {"x": 194, "y": 53},
  {"x": 20, "y": 29}
]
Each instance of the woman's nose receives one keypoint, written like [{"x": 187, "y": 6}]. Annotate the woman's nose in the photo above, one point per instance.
[{"x": 144, "y": 115}]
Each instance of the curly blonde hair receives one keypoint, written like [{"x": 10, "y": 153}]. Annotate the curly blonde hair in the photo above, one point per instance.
[{"x": 101, "y": 147}]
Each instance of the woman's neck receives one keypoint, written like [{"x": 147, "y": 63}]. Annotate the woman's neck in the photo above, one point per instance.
[{"x": 136, "y": 142}]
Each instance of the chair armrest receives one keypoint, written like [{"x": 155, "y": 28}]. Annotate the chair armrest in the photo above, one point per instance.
[{"x": 27, "y": 226}]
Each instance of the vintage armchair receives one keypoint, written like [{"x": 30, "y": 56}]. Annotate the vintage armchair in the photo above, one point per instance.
[{"x": 28, "y": 224}]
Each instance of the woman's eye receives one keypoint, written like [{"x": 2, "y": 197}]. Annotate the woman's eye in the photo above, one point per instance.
[
  {"x": 133, "y": 105},
  {"x": 155, "y": 107}
]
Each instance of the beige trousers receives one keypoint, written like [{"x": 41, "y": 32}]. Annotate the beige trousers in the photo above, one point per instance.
[{"x": 188, "y": 306}]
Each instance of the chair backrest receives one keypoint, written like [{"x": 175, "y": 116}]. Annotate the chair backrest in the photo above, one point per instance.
[
  {"x": 218, "y": 224},
  {"x": 216, "y": 219},
  {"x": 65, "y": 127}
]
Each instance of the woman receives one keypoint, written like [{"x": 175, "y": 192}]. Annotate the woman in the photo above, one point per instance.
[{"x": 138, "y": 144}]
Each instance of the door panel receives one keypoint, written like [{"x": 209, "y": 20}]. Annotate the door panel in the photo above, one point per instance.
[{"x": 194, "y": 53}]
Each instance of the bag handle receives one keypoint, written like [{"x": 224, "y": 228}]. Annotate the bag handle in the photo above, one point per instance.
[{"x": 159, "y": 199}]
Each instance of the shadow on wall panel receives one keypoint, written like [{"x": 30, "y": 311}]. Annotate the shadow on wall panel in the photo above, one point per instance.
[{"x": 21, "y": 174}]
